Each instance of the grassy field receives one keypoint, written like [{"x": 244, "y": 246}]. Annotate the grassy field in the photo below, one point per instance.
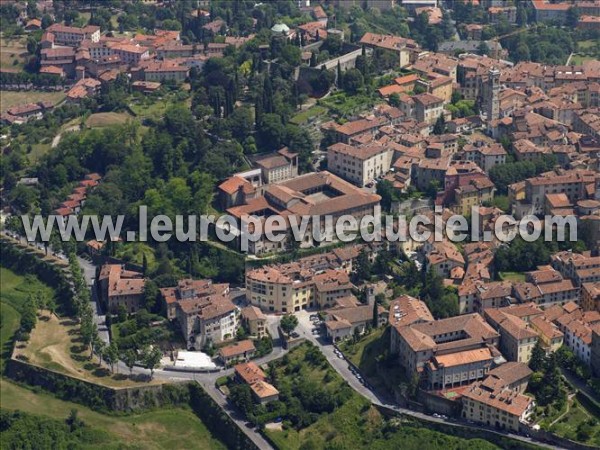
[
  {"x": 355, "y": 423},
  {"x": 570, "y": 425},
  {"x": 305, "y": 116},
  {"x": 134, "y": 252},
  {"x": 578, "y": 59},
  {"x": 512, "y": 276},
  {"x": 39, "y": 150},
  {"x": 108, "y": 119},
  {"x": 162, "y": 429},
  {"x": 8, "y": 99},
  {"x": 344, "y": 105},
  {"x": 363, "y": 354},
  {"x": 155, "y": 109},
  {"x": 14, "y": 292},
  {"x": 584, "y": 46},
  {"x": 13, "y": 49},
  {"x": 56, "y": 345}
]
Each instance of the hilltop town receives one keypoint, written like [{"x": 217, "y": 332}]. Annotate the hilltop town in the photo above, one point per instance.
[{"x": 367, "y": 110}]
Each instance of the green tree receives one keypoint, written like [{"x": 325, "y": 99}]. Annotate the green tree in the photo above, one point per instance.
[
  {"x": 151, "y": 293},
  {"x": 29, "y": 316},
  {"x": 47, "y": 21},
  {"x": 363, "y": 266},
  {"x": 572, "y": 17},
  {"x": 73, "y": 421},
  {"x": 99, "y": 349},
  {"x": 288, "y": 323},
  {"x": 483, "y": 48},
  {"x": 129, "y": 358},
  {"x": 440, "y": 125},
  {"x": 272, "y": 131},
  {"x": 521, "y": 14},
  {"x": 152, "y": 359},
  {"x": 538, "y": 356},
  {"x": 385, "y": 189},
  {"x": 111, "y": 355},
  {"x": 241, "y": 396},
  {"x": 375, "y": 322},
  {"x": 353, "y": 81}
]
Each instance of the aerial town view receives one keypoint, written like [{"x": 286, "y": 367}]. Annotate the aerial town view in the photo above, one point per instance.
[{"x": 300, "y": 224}]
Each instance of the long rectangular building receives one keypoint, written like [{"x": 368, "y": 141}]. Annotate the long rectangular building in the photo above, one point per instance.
[{"x": 446, "y": 353}]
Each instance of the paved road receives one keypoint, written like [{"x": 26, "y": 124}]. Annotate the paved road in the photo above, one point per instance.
[
  {"x": 579, "y": 384},
  {"x": 236, "y": 415},
  {"x": 89, "y": 273},
  {"x": 207, "y": 380},
  {"x": 341, "y": 366}
]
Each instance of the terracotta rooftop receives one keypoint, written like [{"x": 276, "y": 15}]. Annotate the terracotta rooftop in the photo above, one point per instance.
[
  {"x": 506, "y": 400},
  {"x": 237, "y": 349},
  {"x": 249, "y": 372}
]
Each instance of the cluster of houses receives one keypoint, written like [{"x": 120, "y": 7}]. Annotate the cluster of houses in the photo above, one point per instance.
[
  {"x": 23, "y": 113},
  {"x": 478, "y": 362},
  {"x": 75, "y": 201},
  {"x": 86, "y": 54}
]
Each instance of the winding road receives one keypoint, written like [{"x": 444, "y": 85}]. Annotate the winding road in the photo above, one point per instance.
[{"x": 208, "y": 379}]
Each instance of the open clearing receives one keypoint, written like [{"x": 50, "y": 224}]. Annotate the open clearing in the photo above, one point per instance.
[
  {"x": 175, "y": 428},
  {"x": 107, "y": 119},
  {"x": 512, "y": 276},
  {"x": 8, "y": 99},
  {"x": 14, "y": 292},
  {"x": 13, "y": 49},
  {"x": 569, "y": 423},
  {"x": 56, "y": 345}
]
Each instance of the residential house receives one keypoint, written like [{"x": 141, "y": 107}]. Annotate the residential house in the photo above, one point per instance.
[
  {"x": 254, "y": 321},
  {"x": 590, "y": 296},
  {"x": 315, "y": 281},
  {"x": 252, "y": 375},
  {"x": 206, "y": 320},
  {"x": 428, "y": 108},
  {"x": 72, "y": 36},
  {"x": 351, "y": 318},
  {"x": 240, "y": 351},
  {"x": 517, "y": 338},
  {"x": 121, "y": 288},
  {"x": 498, "y": 407}
]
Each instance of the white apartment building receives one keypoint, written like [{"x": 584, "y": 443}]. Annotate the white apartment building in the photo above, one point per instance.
[
  {"x": 359, "y": 165},
  {"x": 72, "y": 36}
]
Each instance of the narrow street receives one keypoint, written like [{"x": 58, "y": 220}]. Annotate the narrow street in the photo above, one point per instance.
[
  {"x": 208, "y": 379},
  {"x": 236, "y": 416},
  {"x": 341, "y": 366}
]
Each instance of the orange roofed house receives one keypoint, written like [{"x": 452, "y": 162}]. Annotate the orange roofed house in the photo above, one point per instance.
[
  {"x": 406, "y": 49},
  {"x": 252, "y": 375},
  {"x": 121, "y": 287},
  {"x": 240, "y": 351},
  {"x": 496, "y": 406},
  {"x": 314, "y": 281},
  {"x": 203, "y": 310}
]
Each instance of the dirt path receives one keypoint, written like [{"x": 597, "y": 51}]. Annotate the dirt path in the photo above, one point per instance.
[
  {"x": 569, "y": 401},
  {"x": 57, "y": 138}
]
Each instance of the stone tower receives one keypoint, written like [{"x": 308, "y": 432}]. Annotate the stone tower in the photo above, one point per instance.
[{"x": 492, "y": 95}]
